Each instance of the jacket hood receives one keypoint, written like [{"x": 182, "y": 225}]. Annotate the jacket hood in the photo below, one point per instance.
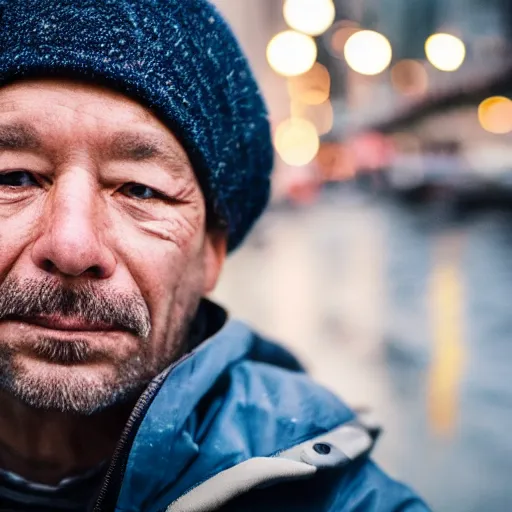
[{"x": 233, "y": 398}]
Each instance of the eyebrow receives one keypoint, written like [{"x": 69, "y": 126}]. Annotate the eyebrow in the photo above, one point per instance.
[
  {"x": 123, "y": 145},
  {"x": 18, "y": 137},
  {"x": 141, "y": 147}
]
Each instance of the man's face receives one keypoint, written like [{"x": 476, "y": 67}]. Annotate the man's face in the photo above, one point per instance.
[{"x": 104, "y": 254}]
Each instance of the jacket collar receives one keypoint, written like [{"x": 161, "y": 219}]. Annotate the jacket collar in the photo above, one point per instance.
[{"x": 222, "y": 404}]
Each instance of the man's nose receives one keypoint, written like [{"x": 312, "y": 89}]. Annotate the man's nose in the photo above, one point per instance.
[{"x": 71, "y": 241}]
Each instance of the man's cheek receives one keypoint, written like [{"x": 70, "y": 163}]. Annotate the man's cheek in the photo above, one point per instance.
[
  {"x": 14, "y": 238},
  {"x": 178, "y": 230}
]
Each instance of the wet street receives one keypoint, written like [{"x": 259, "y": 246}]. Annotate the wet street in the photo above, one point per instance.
[{"x": 408, "y": 310}]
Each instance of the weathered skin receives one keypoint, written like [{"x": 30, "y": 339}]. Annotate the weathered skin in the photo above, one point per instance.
[{"x": 75, "y": 219}]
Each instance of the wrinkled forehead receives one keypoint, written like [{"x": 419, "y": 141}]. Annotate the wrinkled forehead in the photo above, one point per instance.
[
  {"x": 33, "y": 112},
  {"x": 40, "y": 95}
]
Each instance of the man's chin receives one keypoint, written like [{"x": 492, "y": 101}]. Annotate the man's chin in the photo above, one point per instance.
[{"x": 84, "y": 388}]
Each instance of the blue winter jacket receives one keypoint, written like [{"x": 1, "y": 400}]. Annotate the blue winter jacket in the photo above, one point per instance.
[{"x": 236, "y": 425}]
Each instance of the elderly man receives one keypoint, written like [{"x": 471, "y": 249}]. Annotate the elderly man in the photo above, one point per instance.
[{"x": 134, "y": 155}]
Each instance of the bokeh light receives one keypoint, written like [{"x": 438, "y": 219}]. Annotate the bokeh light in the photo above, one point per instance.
[
  {"x": 291, "y": 53},
  {"x": 312, "y": 87},
  {"x": 296, "y": 141},
  {"x": 409, "y": 77},
  {"x": 445, "y": 51},
  {"x": 495, "y": 115},
  {"x": 312, "y": 17},
  {"x": 368, "y": 52},
  {"x": 340, "y": 34},
  {"x": 321, "y": 116}
]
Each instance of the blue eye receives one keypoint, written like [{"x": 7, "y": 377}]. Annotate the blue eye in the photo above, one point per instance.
[
  {"x": 17, "y": 179},
  {"x": 138, "y": 191}
]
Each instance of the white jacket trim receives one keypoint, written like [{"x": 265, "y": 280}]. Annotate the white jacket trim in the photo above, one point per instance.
[{"x": 333, "y": 449}]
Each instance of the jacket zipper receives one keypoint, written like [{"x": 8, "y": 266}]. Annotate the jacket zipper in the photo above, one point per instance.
[{"x": 109, "y": 493}]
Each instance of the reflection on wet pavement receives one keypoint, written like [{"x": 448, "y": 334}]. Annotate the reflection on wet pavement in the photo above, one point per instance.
[{"x": 404, "y": 309}]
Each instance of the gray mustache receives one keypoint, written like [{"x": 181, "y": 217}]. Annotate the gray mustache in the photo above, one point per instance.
[{"x": 29, "y": 298}]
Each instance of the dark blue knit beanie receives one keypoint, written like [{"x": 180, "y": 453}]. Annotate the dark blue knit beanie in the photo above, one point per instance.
[{"x": 177, "y": 57}]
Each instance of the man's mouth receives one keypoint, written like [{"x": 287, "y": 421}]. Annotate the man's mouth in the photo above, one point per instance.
[{"x": 63, "y": 323}]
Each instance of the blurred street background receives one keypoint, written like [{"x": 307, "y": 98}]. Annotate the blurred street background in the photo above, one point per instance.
[{"x": 385, "y": 259}]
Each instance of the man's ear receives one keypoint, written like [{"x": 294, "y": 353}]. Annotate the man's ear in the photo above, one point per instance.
[{"x": 215, "y": 251}]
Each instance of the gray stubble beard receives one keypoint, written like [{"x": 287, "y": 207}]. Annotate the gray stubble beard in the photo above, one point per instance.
[
  {"x": 70, "y": 395},
  {"x": 77, "y": 395}
]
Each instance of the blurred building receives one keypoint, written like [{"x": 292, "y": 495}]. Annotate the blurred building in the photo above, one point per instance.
[{"x": 440, "y": 108}]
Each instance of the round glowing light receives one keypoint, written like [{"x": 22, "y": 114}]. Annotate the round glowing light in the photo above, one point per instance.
[
  {"x": 291, "y": 53},
  {"x": 409, "y": 77},
  {"x": 368, "y": 52},
  {"x": 312, "y": 87},
  {"x": 445, "y": 52},
  {"x": 341, "y": 33},
  {"x": 312, "y": 17},
  {"x": 296, "y": 141},
  {"x": 495, "y": 115}
]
